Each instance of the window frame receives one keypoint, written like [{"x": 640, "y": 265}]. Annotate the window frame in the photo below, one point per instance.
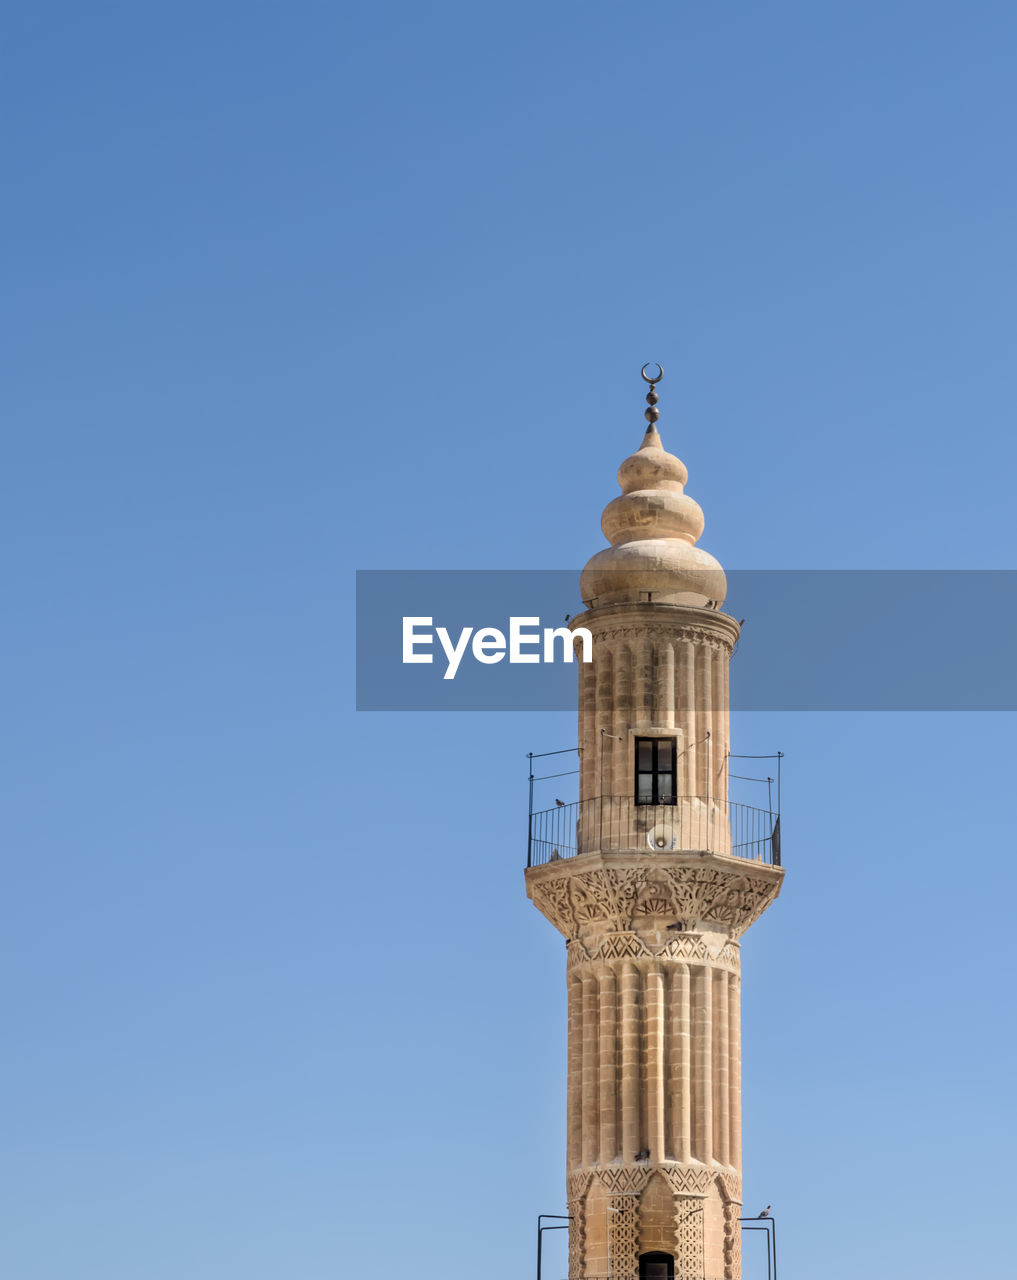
[{"x": 656, "y": 771}]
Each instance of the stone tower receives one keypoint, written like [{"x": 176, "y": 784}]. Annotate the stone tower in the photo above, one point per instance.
[{"x": 653, "y": 877}]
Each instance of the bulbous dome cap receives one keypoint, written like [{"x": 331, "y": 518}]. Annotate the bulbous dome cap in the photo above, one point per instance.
[
  {"x": 651, "y": 466},
  {"x": 653, "y": 528}
]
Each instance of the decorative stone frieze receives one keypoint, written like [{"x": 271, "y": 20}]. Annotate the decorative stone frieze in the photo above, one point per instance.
[
  {"x": 615, "y": 890},
  {"x": 723, "y": 641},
  {"x": 630, "y": 946}
]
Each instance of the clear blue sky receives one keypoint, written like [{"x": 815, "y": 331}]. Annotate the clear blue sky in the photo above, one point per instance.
[{"x": 292, "y": 290}]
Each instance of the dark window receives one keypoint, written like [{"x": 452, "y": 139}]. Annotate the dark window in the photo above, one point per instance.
[
  {"x": 655, "y": 760},
  {"x": 656, "y": 1266}
]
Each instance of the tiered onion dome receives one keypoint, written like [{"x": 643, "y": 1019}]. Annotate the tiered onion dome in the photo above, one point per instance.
[{"x": 653, "y": 528}]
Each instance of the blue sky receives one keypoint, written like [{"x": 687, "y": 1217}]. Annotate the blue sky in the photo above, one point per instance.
[{"x": 295, "y": 290}]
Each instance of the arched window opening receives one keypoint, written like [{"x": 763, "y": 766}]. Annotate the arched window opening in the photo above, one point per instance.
[{"x": 656, "y": 1266}]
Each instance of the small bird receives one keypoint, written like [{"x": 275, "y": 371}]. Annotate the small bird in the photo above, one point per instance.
[
  {"x": 559, "y": 803},
  {"x": 642, "y": 1155},
  {"x": 766, "y": 1212},
  {"x": 568, "y": 616},
  {"x": 741, "y": 622}
]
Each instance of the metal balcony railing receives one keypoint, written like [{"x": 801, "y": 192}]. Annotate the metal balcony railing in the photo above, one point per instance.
[{"x": 618, "y": 824}]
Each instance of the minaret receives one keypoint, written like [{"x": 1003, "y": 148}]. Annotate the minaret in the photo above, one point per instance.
[{"x": 653, "y": 877}]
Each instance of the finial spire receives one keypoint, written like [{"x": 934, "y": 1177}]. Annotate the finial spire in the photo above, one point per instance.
[{"x": 652, "y": 412}]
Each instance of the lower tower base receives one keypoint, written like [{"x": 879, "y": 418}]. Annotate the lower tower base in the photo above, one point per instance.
[{"x": 643, "y": 1223}]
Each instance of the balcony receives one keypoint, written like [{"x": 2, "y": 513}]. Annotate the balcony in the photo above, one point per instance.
[{"x": 617, "y": 824}]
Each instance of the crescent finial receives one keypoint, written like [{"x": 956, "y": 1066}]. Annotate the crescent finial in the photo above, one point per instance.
[{"x": 652, "y": 413}]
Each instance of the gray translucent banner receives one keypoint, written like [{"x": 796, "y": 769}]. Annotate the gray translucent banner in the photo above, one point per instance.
[{"x": 812, "y": 640}]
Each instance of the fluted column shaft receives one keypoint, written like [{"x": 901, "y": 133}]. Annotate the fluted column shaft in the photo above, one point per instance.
[
  {"x": 656, "y": 1098},
  {"x": 591, "y": 1085},
  {"x": 630, "y": 1060},
  {"x": 608, "y": 1066},
  {"x": 653, "y": 1064},
  {"x": 703, "y": 1057},
  {"x": 722, "y": 1097},
  {"x": 735, "y": 1080},
  {"x": 574, "y": 1136}
]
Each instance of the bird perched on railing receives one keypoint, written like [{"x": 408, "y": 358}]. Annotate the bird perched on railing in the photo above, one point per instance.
[
  {"x": 766, "y": 1212},
  {"x": 559, "y": 803}
]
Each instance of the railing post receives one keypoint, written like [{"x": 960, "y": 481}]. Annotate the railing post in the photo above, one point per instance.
[
  {"x": 541, "y": 1229},
  {"x": 764, "y": 1224},
  {"x": 529, "y": 821}
]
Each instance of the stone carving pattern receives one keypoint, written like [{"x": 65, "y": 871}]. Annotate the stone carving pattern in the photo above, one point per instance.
[
  {"x": 620, "y": 1178},
  {"x": 730, "y": 956},
  {"x": 577, "y": 1238},
  {"x": 622, "y": 946},
  {"x": 629, "y": 946},
  {"x": 655, "y": 898},
  {"x": 685, "y": 1182},
  {"x": 624, "y": 1234},
  {"x": 729, "y": 897},
  {"x": 687, "y": 1185},
  {"x": 686, "y": 901},
  {"x": 689, "y": 946},
  {"x": 689, "y": 1258},
  {"x": 696, "y": 635},
  {"x": 576, "y": 954},
  {"x": 732, "y": 1243},
  {"x": 577, "y": 1185},
  {"x": 730, "y": 1186},
  {"x": 552, "y": 898},
  {"x": 605, "y": 894}
]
